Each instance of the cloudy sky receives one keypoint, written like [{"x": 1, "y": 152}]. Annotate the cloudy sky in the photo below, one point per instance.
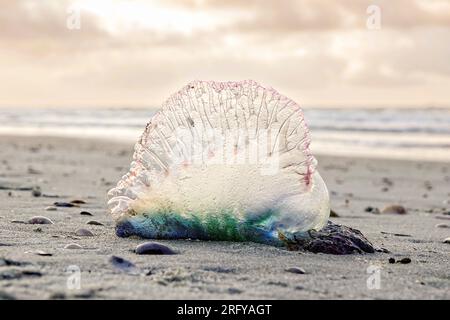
[{"x": 129, "y": 53}]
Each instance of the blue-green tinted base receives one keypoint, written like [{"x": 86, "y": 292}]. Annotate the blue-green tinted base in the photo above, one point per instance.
[{"x": 217, "y": 227}]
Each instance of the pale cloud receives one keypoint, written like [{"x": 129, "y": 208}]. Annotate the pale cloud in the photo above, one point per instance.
[{"x": 135, "y": 53}]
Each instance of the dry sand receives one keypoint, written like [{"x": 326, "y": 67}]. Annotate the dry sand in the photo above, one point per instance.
[{"x": 86, "y": 169}]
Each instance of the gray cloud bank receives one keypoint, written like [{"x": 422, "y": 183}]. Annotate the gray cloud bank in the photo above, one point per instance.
[{"x": 319, "y": 52}]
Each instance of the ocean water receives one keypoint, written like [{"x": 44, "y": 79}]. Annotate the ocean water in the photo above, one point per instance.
[{"x": 416, "y": 134}]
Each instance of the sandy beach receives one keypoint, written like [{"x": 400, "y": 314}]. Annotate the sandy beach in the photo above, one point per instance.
[{"x": 35, "y": 264}]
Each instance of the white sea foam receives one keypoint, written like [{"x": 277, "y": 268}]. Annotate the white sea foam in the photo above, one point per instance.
[{"x": 419, "y": 134}]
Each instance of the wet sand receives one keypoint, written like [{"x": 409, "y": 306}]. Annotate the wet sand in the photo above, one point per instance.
[{"x": 69, "y": 169}]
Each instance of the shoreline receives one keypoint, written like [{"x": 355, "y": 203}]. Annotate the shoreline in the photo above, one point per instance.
[
  {"x": 126, "y": 142},
  {"x": 85, "y": 169}
]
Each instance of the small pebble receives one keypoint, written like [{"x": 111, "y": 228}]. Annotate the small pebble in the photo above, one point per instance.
[
  {"x": 41, "y": 253},
  {"x": 17, "y": 274},
  {"x": 442, "y": 225},
  {"x": 391, "y": 260},
  {"x": 124, "y": 265},
  {"x": 73, "y": 246},
  {"x": 78, "y": 202},
  {"x": 405, "y": 261},
  {"x": 234, "y": 291},
  {"x": 447, "y": 240},
  {"x": 387, "y": 181},
  {"x": 65, "y": 204},
  {"x": 398, "y": 209},
  {"x": 153, "y": 248},
  {"x": 17, "y": 221},
  {"x": 40, "y": 220},
  {"x": 84, "y": 233},
  {"x": 372, "y": 210},
  {"x": 296, "y": 270},
  {"x": 86, "y": 213},
  {"x": 333, "y": 214},
  {"x": 95, "y": 223},
  {"x": 9, "y": 262},
  {"x": 36, "y": 192},
  {"x": 51, "y": 208},
  {"x": 33, "y": 171}
]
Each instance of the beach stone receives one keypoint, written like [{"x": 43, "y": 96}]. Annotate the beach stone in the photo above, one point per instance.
[
  {"x": 86, "y": 213},
  {"x": 153, "y": 248},
  {"x": 391, "y": 260},
  {"x": 447, "y": 240},
  {"x": 65, "y": 204},
  {"x": 40, "y": 220},
  {"x": 404, "y": 261},
  {"x": 84, "y": 233},
  {"x": 78, "y": 201},
  {"x": 10, "y": 274},
  {"x": 332, "y": 239},
  {"x": 387, "y": 181},
  {"x": 9, "y": 262},
  {"x": 373, "y": 210},
  {"x": 32, "y": 170},
  {"x": 31, "y": 273},
  {"x": 51, "y": 208},
  {"x": 36, "y": 192},
  {"x": 395, "y": 208},
  {"x": 296, "y": 270},
  {"x": 442, "y": 225},
  {"x": 73, "y": 246},
  {"x": 18, "y": 221},
  {"x": 220, "y": 269},
  {"x": 43, "y": 253},
  {"x": 123, "y": 265},
  {"x": 95, "y": 223},
  {"x": 45, "y": 195}
]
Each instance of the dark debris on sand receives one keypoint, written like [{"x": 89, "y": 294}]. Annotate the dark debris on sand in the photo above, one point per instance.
[{"x": 333, "y": 239}]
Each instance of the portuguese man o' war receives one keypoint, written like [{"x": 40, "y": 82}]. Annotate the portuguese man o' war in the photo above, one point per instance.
[{"x": 223, "y": 161}]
